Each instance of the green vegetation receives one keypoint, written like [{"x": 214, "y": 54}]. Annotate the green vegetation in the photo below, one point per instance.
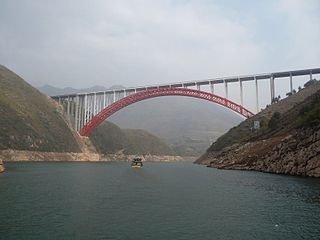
[
  {"x": 108, "y": 138},
  {"x": 310, "y": 114},
  {"x": 30, "y": 120},
  {"x": 273, "y": 123},
  {"x": 303, "y": 113}
]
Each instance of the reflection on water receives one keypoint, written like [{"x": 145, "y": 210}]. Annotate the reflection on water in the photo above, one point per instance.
[{"x": 158, "y": 201}]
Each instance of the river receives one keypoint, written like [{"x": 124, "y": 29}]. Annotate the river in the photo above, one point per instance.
[{"x": 159, "y": 201}]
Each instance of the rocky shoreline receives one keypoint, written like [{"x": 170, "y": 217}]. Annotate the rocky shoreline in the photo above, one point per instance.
[
  {"x": 25, "y": 156},
  {"x": 1, "y": 166},
  {"x": 295, "y": 153}
]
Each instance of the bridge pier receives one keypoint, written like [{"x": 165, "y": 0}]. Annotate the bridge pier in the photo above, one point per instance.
[
  {"x": 212, "y": 87},
  {"x": 272, "y": 90},
  {"x": 76, "y": 113},
  {"x": 291, "y": 87},
  {"x": 241, "y": 91},
  {"x": 257, "y": 93},
  {"x": 85, "y": 109},
  {"x": 95, "y": 103},
  {"x": 225, "y": 89}
]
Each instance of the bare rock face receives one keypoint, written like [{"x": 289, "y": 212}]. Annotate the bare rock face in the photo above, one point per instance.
[
  {"x": 1, "y": 166},
  {"x": 297, "y": 153}
]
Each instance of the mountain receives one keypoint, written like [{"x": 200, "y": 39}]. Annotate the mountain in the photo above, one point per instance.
[
  {"x": 108, "y": 138},
  {"x": 288, "y": 140},
  {"x": 53, "y": 91},
  {"x": 188, "y": 125},
  {"x": 30, "y": 120}
]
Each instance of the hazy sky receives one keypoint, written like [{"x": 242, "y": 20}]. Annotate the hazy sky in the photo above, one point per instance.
[{"x": 81, "y": 43}]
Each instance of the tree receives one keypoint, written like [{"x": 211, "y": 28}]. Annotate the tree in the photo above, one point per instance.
[
  {"x": 274, "y": 121},
  {"x": 310, "y": 82}
]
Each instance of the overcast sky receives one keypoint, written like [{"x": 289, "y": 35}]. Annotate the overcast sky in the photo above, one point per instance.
[{"x": 81, "y": 43}]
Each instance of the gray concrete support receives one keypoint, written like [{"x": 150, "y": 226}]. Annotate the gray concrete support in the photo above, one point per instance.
[
  {"x": 272, "y": 88},
  {"x": 291, "y": 86},
  {"x": 85, "y": 109},
  {"x": 80, "y": 114},
  {"x": 68, "y": 107},
  {"x": 212, "y": 87},
  {"x": 95, "y": 104},
  {"x": 241, "y": 91},
  {"x": 257, "y": 93},
  {"x": 76, "y": 125},
  {"x": 226, "y": 89}
]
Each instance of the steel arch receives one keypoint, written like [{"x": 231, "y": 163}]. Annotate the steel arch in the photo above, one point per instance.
[{"x": 158, "y": 92}]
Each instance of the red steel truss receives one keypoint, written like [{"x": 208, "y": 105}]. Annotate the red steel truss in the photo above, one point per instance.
[{"x": 158, "y": 92}]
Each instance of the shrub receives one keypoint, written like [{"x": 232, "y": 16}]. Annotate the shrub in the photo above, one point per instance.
[{"x": 274, "y": 121}]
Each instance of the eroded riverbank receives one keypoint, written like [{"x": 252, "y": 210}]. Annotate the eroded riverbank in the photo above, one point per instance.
[{"x": 25, "y": 156}]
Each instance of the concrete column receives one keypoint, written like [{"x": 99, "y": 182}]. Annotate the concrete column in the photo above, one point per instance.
[
  {"x": 225, "y": 88},
  {"x": 114, "y": 96},
  {"x": 257, "y": 93},
  {"x": 291, "y": 86},
  {"x": 72, "y": 106},
  {"x": 95, "y": 104},
  {"x": 68, "y": 106},
  {"x": 80, "y": 113},
  {"x": 85, "y": 109},
  {"x": 125, "y": 92},
  {"x": 76, "y": 125},
  {"x": 59, "y": 100},
  {"x": 104, "y": 99},
  {"x": 272, "y": 91},
  {"x": 91, "y": 107},
  {"x": 212, "y": 87},
  {"x": 310, "y": 74},
  {"x": 241, "y": 91},
  {"x": 198, "y": 86}
]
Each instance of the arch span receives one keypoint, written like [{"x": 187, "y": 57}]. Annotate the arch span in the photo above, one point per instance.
[{"x": 158, "y": 92}]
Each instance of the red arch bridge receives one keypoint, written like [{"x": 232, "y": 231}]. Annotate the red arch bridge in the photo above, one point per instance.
[{"x": 87, "y": 110}]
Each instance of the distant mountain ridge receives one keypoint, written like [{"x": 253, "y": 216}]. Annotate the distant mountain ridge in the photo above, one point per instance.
[
  {"x": 53, "y": 91},
  {"x": 188, "y": 125},
  {"x": 108, "y": 138}
]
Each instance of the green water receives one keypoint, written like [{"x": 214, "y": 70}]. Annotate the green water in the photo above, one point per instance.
[{"x": 158, "y": 201}]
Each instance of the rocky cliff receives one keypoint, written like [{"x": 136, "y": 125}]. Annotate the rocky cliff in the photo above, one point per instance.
[
  {"x": 296, "y": 153},
  {"x": 1, "y": 166},
  {"x": 288, "y": 141}
]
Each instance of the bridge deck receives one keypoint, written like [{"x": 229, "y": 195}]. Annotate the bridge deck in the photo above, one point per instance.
[{"x": 218, "y": 80}]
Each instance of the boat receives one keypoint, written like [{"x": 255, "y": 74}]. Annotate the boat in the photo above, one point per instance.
[{"x": 136, "y": 162}]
